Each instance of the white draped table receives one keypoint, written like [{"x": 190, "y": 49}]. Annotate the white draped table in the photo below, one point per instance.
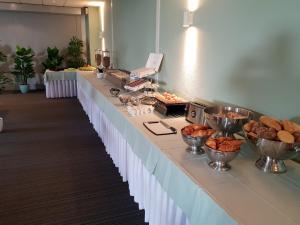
[
  {"x": 176, "y": 188},
  {"x": 61, "y": 84}
]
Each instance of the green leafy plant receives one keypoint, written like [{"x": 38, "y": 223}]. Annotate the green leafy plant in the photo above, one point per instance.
[
  {"x": 2, "y": 57},
  {"x": 75, "y": 59},
  {"x": 54, "y": 60},
  {"x": 3, "y": 79},
  {"x": 23, "y": 64}
]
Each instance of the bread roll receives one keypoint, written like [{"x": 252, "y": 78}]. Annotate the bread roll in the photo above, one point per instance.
[
  {"x": 288, "y": 126},
  {"x": 199, "y": 133},
  {"x": 270, "y": 122},
  {"x": 297, "y": 136},
  {"x": 286, "y": 137},
  {"x": 296, "y": 126}
]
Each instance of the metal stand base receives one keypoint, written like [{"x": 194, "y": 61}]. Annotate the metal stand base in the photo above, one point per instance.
[
  {"x": 195, "y": 150},
  {"x": 223, "y": 134},
  {"x": 219, "y": 166},
  {"x": 270, "y": 165}
]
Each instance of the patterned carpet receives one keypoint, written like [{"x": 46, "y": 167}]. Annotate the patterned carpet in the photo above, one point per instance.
[{"x": 54, "y": 169}]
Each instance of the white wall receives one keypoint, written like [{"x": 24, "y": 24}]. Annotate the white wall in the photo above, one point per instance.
[
  {"x": 134, "y": 32},
  {"x": 37, "y": 30},
  {"x": 95, "y": 29}
]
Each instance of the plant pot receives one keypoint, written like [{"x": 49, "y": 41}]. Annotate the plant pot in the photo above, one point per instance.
[
  {"x": 1, "y": 124},
  {"x": 32, "y": 83},
  {"x": 24, "y": 88}
]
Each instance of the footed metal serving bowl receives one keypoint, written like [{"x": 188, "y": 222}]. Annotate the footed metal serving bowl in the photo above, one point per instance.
[
  {"x": 272, "y": 154},
  {"x": 114, "y": 92},
  {"x": 195, "y": 143},
  {"x": 135, "y": 101},
  {"x": 124, "y": 99},
  {"x": 219, "y": 159},
  {"x": 225, "y": 125}
]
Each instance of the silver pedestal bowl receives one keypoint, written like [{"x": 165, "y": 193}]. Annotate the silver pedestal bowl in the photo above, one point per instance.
[
  {"x": 272, "y": 154},
  {"x": 195, "y": 143},
  {"x": 124, "y": 99},
  {"x": 226, "y": 126},
  {"x": 219, "y": 159},
  {"x": 114, "y": 92}
]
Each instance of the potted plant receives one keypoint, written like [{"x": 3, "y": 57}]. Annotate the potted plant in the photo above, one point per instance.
[
  {"x": 3, "y": 79},
  {"x": 75, "y": 59},
  {"x": 54, "y": 60},
  {"x": 2, "y": 57},
  {"x": 23, "y": 67}
]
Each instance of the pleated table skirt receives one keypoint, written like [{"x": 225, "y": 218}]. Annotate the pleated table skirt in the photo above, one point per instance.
[
  {"x": 159, "y": 208},
  {"x": 61, "y": 88}
]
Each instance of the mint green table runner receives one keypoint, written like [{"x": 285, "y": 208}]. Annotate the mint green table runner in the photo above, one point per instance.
[
  {"x": 206, "y": 197},
  {"x": 59, "y": 75}
]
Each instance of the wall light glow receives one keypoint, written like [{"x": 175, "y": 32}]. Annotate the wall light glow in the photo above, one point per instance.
[
  {"x": 192, "y": 63},
  {"x": 193, "y": 5},
  {"x": 102, "y": 22},
  {"x": 95, "y": 3},
  {"x": 190, "y": 49},
  {"x": 101, "y": 9},
  {"x": 103, "y": 44}
]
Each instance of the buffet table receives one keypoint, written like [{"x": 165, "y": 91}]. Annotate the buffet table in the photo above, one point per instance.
[
  {"x": 61, "y": 84},
  {"x": 175, "y": 187}
]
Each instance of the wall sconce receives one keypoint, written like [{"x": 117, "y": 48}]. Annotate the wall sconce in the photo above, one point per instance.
[
  {"x": 101, "y": 34},
  {"x": 188, "y": 17}
]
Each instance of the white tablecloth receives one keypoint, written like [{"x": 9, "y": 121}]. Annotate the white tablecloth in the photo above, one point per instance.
[
  {"x": 243, "y": 195},
  {"x": 62, "y": 84},
  {"x": 61, "y": 88},
  {"x": 147, "y": 192}
]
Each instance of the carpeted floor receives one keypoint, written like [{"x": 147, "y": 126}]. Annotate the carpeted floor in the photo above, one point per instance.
[{"x": 54, "y": 168}]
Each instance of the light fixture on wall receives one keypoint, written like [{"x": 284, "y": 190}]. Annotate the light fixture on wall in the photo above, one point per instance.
[
  {"x": 188, "y": 18},
  {"x": 101, "y": 34},
  {"x": 96, "y": 3}
]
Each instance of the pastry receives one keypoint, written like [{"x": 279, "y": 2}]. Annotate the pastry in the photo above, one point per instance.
[
  {"x": 234, "y": 142},
  {"x": 234, "y": 115},
  {"x": 212, "y": 143},
  {"x": 199, "y": 133},
  {"x": 260, "y": 130},
  {"x": 296, "y": 126},
  {"x": 224, "y": 147},
  {"x": 248, "y": 126},
  {"x": 197, "y": 130},
  {"x": 297, "y": 136},
  {"x": 288, "y": 126},
  {"x": 224, "y": 144},
  {"x": 270, "y": 122},
  {"x": 266, "y": 133},
  {"x": 169, "y": 98},
  {"x": 199, "y": 127},
  {"x": 270, "y": 128},
  {"x": 210, "y": 132},
  {"x": 252, "y": 136},
  {"x": 222, "y": 139},
  {"x": 230, "y": 115},
  {"x": 286, "y": 137},
  {"x": 188, "y": 130},
  {"x": 255, "y": 126}
]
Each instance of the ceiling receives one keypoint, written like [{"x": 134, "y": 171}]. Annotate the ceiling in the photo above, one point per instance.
[{"x": 69, "y": 3}]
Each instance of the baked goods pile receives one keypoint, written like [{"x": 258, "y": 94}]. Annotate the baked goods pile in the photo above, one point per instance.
[
  {"x": 273, "y": 129},
  {"x": 231, "y": 115},
  {"x": 197, "y": 130},
  {"x": 87, "y": 68},
  {"x": 136, "y": 85},
  {"x": 224, "y": 144},
  {"x": 167, "y": 97}
]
